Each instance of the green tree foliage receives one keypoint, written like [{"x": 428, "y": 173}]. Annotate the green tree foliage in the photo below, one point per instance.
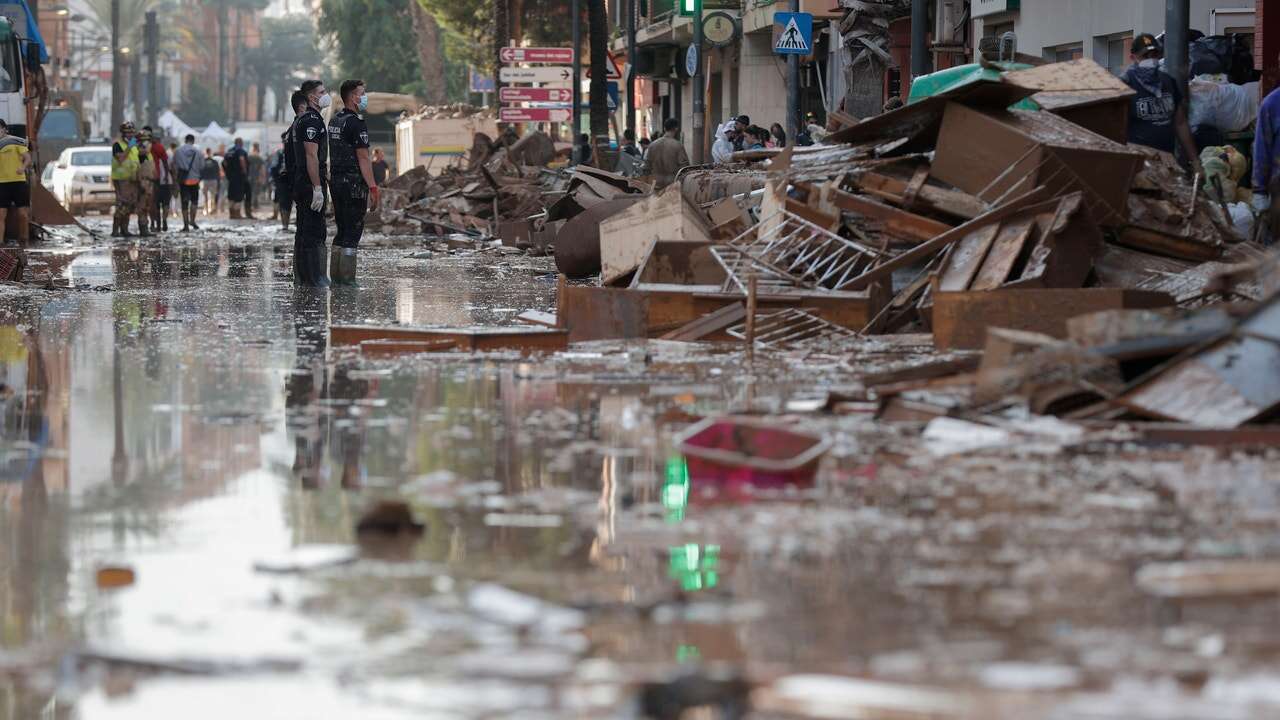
[
  {"x": 287, "y": 54},
  {"x": 202, "y": 105},
  {"x": 468, "y": 28},
  {"x": 374, "y": 41}
]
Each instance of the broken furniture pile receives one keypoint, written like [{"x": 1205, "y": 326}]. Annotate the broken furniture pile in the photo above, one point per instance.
[
  {"x": 457, "y": 201},
  {"x": 988, "y": 227}
]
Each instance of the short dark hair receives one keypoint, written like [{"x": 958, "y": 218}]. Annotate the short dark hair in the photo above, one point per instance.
[
  {"x": 629, "y": 134},
  {"x": 743, "y": 119},
  {"x": 670, "y": 124},
  {"x": 297, "y": 98},
  {"x": 308, "y": 85},
  {"x": 147, "y": 128},
  {"x": 189, "y": 138},
  {"x": 348, "y": 87},
  {"x": 3, "y": 124}
]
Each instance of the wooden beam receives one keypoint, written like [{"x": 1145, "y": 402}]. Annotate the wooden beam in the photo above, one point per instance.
[
  {"x": 899, "y": 223},
  {"x": 924, "y": 250},
  {"x": 955, "y": 203}
]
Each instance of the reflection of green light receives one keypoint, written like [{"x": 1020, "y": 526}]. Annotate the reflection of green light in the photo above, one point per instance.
[
  {"x": 675, "y": 488},
  {"x": 694, "y": 566},
  {"x": 688, "y": 653}
]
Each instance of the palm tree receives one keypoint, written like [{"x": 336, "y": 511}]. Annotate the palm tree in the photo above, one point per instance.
[
  {"x": 598, "y": 36},
  {"x": 127, "y": 19}
]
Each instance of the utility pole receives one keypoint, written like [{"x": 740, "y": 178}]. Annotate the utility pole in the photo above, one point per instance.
[
  {"x": 920, "y": 64},
  {"x": 631, "y": 67},
  {"x": 1177, "y": 33},
  {"x": 793, "y": 89},
  {"x": 698, "y": 87},
  {"x": 151, "y": 40},
  {"x": 577, "y": 72},
  {"x": 117, "y": 74}
]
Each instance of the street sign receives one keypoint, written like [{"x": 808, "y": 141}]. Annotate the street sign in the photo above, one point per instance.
[
  {"x": 691, "y": 61},
  {"x": 796, "y": 35},
  {"x": 522, "y": 94},
  {"x": 553, "y": 55},
  {"x": 552, "y": 73},
  {"x": 481, "y": 83},
  {"x": 612, "y": 71},
  {"x": 534, "y": 115}
]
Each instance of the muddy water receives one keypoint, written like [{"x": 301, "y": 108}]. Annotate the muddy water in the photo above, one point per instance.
[{"x": 192, "y": 424}]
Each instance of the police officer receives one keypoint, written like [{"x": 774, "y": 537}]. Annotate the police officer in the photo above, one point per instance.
[
  {"x": 284, "y": 171},
  {"x": 353, "y": 185},
  {"x": 310, "y": 158}
]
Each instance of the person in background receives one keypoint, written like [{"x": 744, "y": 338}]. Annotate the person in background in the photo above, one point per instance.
[
  {"x": 256, "y": 180},
  {"x": 187, "y": 168},
  {"x": 629, "y": 143},
  {"x": 1266, "y": 167},
  {"x": 779, "y": 135},
  {"x": 15, "y": 191},
  {"x": 236, "y": 168},
  {"x": 380, "y": 167},
  {"x": 167, "y": 210},
  {"x": 644, "y": 146},
  {"x": 210, "y": 182},
  {"x": 1158, "y": 112},
  {"x": 666, "y": 156},
  {"x": 354, "y": 190},
  {"x": 756, "y": 138},
  {"x": 722, "y": 148},
  {"x": 124, "y": 179},
  {"x": 220, "y": 155},
  {"x": 148, "y": 177},
  {"x": 582, "y": 152},
  {"x": 310, "y": 179},
  {"x": 156, "y": 212},
  {"x": 287, "y": 169},
  {"x": 740, "y": 125}
]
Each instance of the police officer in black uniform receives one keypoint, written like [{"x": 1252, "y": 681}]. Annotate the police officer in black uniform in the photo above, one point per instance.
[
  {"x": 310, "y": 158},
  {"x": 353, "y": 185},
  {"x": 286, "y": 170}
]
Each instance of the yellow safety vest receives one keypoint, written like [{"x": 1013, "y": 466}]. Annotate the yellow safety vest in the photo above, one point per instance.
[{"x": 126, "y": 169}]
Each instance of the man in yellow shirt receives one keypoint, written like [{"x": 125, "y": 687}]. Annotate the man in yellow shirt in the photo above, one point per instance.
[
  {"x": 15, "y": 191},
  {"x": 124, "y": 176}
]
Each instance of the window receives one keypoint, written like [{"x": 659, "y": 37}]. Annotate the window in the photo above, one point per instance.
[
  {"x": 1113, "y": 51},
  {"x": 91, "y": 158},
  {"x": 10, "y": 73},
  {"x": 1064, "y": 53},
  {"x": 60, "y": 123}
]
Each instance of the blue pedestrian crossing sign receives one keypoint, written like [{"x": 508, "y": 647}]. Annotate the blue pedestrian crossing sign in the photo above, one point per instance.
[{"x": 793, "y": 33}]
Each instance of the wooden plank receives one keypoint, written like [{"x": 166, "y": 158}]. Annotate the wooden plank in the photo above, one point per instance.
[
  {"x": 1004, "y": 253},
  {"x": 967, "y": 259},
  {"x": 1167, "y": 244},
  {"x": 961, "y": 319},
  {"x": 393, "y": 348},
  {"x": 899, "y": 223},
  {"x": 537, "y": 317},
  {"x": 941, "y": 200},
  {"x": 924, "y": 250},
  {"x": 477, "y": 339},
  {"x": 719, "y": 320}
]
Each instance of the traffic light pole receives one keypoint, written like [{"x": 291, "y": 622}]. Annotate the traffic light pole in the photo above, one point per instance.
[
  {"x": 577, "y": 73},
  {"x": 631, "y": 67},
  {"x": 793, "y": 89}
]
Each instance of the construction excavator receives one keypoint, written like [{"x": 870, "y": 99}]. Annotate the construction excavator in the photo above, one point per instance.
[{"x": 24, "y": 101}]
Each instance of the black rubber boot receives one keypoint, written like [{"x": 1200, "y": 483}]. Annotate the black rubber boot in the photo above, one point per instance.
[{"x": 342, "y": 266}]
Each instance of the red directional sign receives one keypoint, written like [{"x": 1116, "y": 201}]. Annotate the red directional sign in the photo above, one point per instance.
[
  {"x": 515, "y": 94},
  {"x": 557, "y": 56},
  {"x": 534, "y": 115}
]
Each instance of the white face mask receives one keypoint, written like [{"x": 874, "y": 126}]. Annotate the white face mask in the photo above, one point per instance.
[
  {"x": 324, "y": 101},
  {"x": 1149, "y": 63}
]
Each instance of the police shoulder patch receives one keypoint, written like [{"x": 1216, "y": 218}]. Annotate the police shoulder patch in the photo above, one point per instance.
[
  {"x": 364, "y": 138},
  {"x": 311, "y": 133}
]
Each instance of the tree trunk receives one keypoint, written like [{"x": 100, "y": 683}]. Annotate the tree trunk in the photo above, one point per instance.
[
  {"x": 430, "y": 53},
  {"x": 135, "y": 82},
  {"x": 501, "y": 35},
  {"x": 222, "y": 52},
  {"x": 598, "y": 39},
  {"x": 261, "y": 94},
  {"x": 237, "y": 86},
  {"x": 117, "y": 76}
]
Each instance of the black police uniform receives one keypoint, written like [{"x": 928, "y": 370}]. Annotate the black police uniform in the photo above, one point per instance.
[
  {"x": 308, "y": 243},
  {"x": 347, "y": 134},
  {"x": 284, "y": 174}
]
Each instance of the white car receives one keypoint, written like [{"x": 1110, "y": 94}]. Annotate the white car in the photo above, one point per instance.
[{"x": 82, "y": 179}]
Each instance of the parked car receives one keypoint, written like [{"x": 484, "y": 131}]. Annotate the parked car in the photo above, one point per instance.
[
  {"x": 46, "y": 177},
  {"x": 82, "y": 179}
]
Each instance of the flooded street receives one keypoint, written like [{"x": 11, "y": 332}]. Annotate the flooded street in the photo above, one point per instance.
[{"x": 186, "y": 459}]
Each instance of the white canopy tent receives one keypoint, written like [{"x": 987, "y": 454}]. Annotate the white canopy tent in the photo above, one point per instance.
[
  {"x": 213, "y": 136},
  {"x": 174, "y": 127}
]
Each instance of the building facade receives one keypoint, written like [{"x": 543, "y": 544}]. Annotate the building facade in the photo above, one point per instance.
[{"x": 1101, "y": 30}]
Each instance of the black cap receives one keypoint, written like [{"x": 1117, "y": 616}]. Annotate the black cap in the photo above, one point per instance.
[
  {"x": 743, "y": 119},
  {"x": 1144, "y": 44}
]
